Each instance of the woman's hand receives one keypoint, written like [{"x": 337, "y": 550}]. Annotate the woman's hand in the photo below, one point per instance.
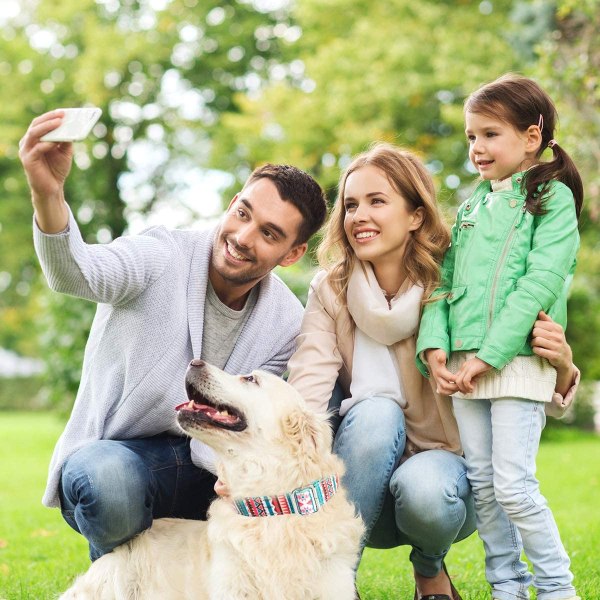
[
  {"x": 549, "y": 341},
  {"x": 444, "y": 379}
]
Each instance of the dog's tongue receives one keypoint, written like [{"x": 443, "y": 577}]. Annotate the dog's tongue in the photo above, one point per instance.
[{"x": 211, "y": 412}]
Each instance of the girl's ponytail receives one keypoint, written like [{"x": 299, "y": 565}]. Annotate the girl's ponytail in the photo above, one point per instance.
[{"x": 561, "y": 168}]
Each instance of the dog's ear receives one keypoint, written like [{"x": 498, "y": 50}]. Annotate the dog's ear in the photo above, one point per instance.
[{"x": 309, "y": 432}]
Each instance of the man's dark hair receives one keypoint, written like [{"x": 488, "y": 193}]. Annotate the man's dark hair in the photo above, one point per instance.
[{"x": 301, "y": 190}]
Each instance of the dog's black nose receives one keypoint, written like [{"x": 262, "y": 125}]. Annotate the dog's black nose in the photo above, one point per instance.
[{"x": 196, "y": 362}]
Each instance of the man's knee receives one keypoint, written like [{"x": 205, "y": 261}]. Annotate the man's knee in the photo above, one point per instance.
[
  {"x": 107, "y": 476},
  {"x": 106, "y": 495}
]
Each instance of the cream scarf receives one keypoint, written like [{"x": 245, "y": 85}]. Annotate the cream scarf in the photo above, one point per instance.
[{"x": 378, "y": 327}]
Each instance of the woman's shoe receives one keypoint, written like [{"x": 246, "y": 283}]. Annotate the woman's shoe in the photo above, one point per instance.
[{"x": 455, "y": 594}]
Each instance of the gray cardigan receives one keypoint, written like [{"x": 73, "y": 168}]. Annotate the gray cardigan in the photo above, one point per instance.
[{"x": 150, "y": 289}]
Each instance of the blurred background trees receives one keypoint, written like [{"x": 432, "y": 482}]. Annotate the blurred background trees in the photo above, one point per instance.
[{"x": 195, "y": 94}]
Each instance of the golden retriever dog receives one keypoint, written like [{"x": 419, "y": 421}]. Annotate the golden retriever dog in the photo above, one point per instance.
[{"x": 274, "y": 456}]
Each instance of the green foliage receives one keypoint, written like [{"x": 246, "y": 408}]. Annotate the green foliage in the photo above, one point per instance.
[
  {"x": 186, "y": 86},
  {"x": 21, "y": 393},
  {"x": 162, "y": 76},
  {"x": 584, "y": 321},
  {"x": 397, "y": 72},
  {"x": 64, "y": 325},
  {"x": 567, "y": 66}
]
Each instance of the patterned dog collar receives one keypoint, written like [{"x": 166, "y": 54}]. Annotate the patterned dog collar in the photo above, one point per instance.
[{"x": 301, "y": 501}]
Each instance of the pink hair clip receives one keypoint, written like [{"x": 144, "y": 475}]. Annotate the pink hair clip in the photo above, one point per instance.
[
  {"x": 541, "y": 122},
  {"x": 552, "y": 143}
]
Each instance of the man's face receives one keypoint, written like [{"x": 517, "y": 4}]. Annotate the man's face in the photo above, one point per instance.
[{"x": 257, "y": 233}]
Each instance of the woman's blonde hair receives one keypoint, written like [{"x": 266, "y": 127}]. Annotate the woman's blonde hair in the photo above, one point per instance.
[{"x": 426, "y": 245}]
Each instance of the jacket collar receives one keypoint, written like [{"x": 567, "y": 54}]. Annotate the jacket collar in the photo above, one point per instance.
[{"x": 516, "y": 181}]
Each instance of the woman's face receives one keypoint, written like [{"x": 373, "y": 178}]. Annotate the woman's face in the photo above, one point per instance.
[{"x": 377, "y": 219}]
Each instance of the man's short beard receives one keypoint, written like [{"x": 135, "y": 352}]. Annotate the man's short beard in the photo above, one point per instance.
[
  {"x": 236, "y": 279},
  {"x": 241, "y": 279}
]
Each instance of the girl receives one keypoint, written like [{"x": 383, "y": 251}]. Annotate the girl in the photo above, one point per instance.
[
  {"x": 512, "y": 255},
  {"x": 381, "y": 253}
]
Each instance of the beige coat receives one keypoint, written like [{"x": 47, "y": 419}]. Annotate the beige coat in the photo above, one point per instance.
[{"x": 325, "y": 348}]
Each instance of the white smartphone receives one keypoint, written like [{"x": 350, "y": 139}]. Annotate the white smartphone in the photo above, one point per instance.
[{"x": 76, "y": 125}]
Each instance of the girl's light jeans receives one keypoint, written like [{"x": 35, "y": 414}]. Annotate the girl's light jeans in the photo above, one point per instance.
[
  {"x": 424, "y": 502},
  {"x": 500, "y": 439}
]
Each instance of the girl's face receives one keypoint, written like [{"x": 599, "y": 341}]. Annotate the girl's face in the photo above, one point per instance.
[
  {"x": 496, "y": 148},
  {"x": 377, "y": 220}
]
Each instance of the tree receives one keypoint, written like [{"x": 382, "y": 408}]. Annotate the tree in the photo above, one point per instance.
[
  {"x": 568, "y": 65},
  {"x": 163, "y": 73},
  {"x": 362, "y": 71},
  {"x": 187, "y": 85}
]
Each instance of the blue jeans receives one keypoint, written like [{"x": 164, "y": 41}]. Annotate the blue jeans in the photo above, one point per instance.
[
  {"x": 424, "y": 502},
  {"x": 111, "y": 490},
  {"x": 500, "y": 439},
  {"x": 370, "y": 441}
]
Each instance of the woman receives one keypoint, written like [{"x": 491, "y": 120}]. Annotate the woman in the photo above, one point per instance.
[{"x": 404, "y": 467}]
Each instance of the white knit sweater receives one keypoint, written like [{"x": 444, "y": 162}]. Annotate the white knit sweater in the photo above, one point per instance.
[{"x": 150, "y": 289}]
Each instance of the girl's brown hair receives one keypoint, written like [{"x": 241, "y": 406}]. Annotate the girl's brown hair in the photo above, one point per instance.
[
  {"x": 426, "y": 245},
  {"x": 521, "y": 102}
]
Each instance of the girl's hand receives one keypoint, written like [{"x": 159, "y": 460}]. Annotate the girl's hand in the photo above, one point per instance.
[
  {"x": 444, "y": 379},
  {"x": 468, "y": 373}
]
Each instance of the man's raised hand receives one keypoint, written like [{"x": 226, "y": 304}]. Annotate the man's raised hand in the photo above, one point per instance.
[{"x": 47, "y": 165}]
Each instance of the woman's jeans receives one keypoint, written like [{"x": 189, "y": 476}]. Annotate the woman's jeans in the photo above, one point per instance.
[
  {"x": 500, "y": 439},
  {"x": 424, "y": 502},
  {"x": 111, "y": 490}
]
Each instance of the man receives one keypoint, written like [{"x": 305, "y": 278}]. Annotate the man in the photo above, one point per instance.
[{"x": 164, "y": 297}]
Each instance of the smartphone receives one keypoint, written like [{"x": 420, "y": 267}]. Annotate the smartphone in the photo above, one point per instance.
[{"x": 76, "y": 125}]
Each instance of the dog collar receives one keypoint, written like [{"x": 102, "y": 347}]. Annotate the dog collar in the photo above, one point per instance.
[{"x": 301, "y": 501}]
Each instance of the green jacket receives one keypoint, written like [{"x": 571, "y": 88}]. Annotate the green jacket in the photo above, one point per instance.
[{"x": 503, "y": 266}]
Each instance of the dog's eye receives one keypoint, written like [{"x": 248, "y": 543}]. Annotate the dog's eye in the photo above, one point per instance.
[{"x": 250, "y": 379}]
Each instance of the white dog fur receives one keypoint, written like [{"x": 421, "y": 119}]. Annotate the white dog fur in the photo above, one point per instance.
[{"x": 280, "y": 446}]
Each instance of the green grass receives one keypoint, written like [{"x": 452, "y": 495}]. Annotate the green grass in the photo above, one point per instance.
[{"x": 39, "y": 553}]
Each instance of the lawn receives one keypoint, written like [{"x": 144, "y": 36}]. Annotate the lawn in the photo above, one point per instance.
[{"x": 39, "y": 553}]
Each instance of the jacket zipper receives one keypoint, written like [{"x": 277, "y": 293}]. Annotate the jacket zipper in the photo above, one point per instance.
[
  {"x": 463, "y": 226},
  {"x": 500, "y": 264}
]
